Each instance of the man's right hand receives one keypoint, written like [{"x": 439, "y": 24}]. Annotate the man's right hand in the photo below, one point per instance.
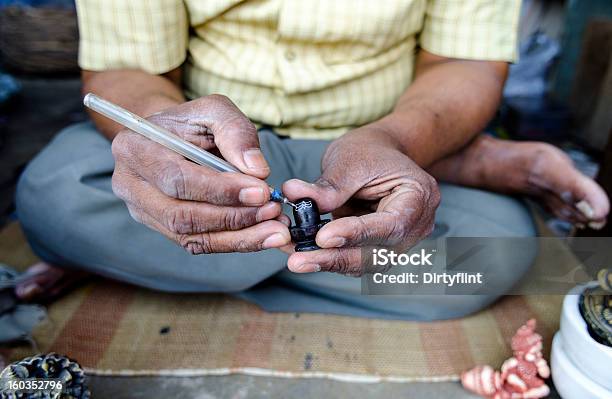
[{"x": 203, "y": 210}]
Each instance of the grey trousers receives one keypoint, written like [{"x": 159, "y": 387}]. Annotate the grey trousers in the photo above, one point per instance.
[{"x": 71, "y": 217}]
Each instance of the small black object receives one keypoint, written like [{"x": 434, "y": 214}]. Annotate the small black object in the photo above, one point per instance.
[{"x": 307, "y": 223}]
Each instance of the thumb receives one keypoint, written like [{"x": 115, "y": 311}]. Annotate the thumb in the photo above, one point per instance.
[
  {"x": 233, "y": 133},
  {"x": 328, "y": 194},
  {"x": 236, "y": 137}
]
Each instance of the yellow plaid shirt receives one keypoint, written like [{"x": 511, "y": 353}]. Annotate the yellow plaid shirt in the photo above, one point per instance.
[{"x": 308, "y": 68}]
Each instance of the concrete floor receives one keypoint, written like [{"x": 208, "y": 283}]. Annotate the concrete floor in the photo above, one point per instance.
[
  {"x": 241, "y": 386},
  {"x": 47, "y": 105}
]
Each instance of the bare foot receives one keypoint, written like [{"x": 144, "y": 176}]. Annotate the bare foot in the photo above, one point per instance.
[
  {"x": 536, "y": 169},
  {"x": 45, "y": 282}
]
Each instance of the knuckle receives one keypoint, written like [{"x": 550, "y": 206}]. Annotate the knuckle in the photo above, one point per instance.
[
  {"x": 421, "y": 192},
  {"x": 160, "y": 118},
  {"x": 246, "y": 246},
  {"x": 342, "y": 263},
  {"x": 435, "y": 197},
  {"x": 121, "y": 146},
  {"x": 172, "y": 180},
  {"x": 236, "y": 122},
  {"x": 135, "y": 214},
  {"x": 180, "y": 220},
  {"x": 362, "y": 231},
  {"x": 196, "y": 245},
  {"x": 432, "y": 182},
  {"x": 218, "y": 98},
  {"x": 233, "y": 219},
  {"x": 328, "y": 182},
  {"x": 399, "y": 230},
  {"x": 118, "y": 185},
  {"x": 429, "y": 229},
  {"x": 218, "y": 103}
]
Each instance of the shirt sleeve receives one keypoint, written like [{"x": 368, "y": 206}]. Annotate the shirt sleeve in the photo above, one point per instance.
[
  {"x": 145, "y": 34},
  {"x": 474, "y": 29}
]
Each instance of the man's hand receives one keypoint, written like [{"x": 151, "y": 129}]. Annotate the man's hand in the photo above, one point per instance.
[
  {"x": 397, "y": 201},
  {"x": 201, "y": 209}
]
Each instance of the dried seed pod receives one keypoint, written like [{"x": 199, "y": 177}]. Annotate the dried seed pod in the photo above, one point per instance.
[
  {"x": 604, "y": 277},
  {"x": 52, "y": 366},
  {"x": 595, "y": 306}
]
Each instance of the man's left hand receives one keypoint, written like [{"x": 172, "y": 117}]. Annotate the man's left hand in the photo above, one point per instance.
[{"x": 378, "y": 196}]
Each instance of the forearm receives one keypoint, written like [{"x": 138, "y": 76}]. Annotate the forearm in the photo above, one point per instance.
[
  {"x": 138, "y": 91},
  {"x": 449, "y": 102}
]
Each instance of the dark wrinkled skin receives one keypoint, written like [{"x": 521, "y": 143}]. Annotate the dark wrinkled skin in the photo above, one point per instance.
[
  {"x": 385, "y": 198},
  {"x": 375, "y": 178},
  {"x": 197, "y": 207}
]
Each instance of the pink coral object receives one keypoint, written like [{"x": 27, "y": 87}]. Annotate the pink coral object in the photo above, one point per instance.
[{"x": 521, "y": 376}]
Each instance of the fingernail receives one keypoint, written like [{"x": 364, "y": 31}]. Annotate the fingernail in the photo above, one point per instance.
[
  {"x": 307, "y": 268},
  {"x": 585, "y": 208},
  {"x": 334, "y": 242},
  {"x": 274, "y": 241},
  {"x": 252, "y": 196},
  {"x": 254, "y": 159},
  {"x": 266, "y": 212},
  {"x": 580, "y": 226},
  {"x": 597, "y": 225}
]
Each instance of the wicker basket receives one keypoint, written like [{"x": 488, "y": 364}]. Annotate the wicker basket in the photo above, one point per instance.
[{"x": 39, "y": 40}]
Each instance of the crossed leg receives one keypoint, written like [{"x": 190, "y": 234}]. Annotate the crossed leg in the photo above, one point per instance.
[{"x": 533, "y": 169}]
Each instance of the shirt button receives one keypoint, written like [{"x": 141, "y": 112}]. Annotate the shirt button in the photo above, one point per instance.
[{"x": 289, "y": 55}]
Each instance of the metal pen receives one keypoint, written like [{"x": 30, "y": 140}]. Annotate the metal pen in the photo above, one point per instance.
[{"x": 167, "y": 139}]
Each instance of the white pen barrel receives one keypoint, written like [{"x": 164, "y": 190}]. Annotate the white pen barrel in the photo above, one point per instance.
[{"x": 156, "y": 133}]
